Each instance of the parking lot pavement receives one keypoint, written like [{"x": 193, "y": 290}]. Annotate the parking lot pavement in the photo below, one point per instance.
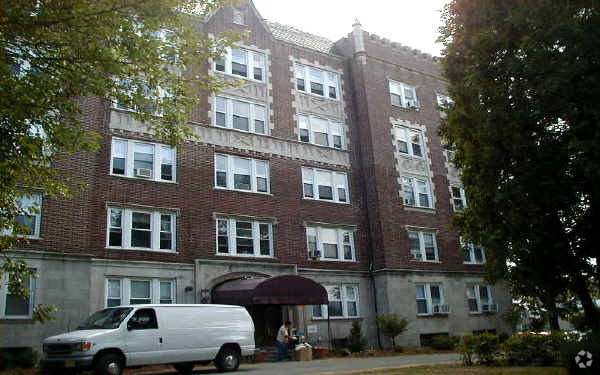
[{"x": 324, "y": 366}]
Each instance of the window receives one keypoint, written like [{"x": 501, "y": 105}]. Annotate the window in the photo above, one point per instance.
[
  {"x": 343, "y": 302},
  {"x": 13, "y": 306},
  {"x": 329, "y": 243},
  {"x": 327, "y": 185},
  {"x": 320, "y": 131},
  {"x": 239, "y": 237},
  {"x": 133, "y": 291},
  {"x": 403, "y": 95},
  {"x": 240, "y": 115},
  {"x": 148, "y": 99},
  {"x": 473, "y": 254},
  {"x": 409, "y": 141},
  {"x": 422, "y": 246},
  {"x": 449, "y": 153},
  {"x": 137, "y": 229},
  {"x": 143, "y": 319},
  {"x": 459, "y": 200},
  {"x": 316, "y": 81},
  {"x": 430, "y": 298},
  {"x": 145, "y": 160},
  {"x": 243, "y": 63},
  {"x": 235, "y": 173},
  {"x": 416, "y": 192},
  {"x": 443, "y": 102},
  {"x": 238, "y": 16},
  {"x": 479, "y": 298},
  {"x": 29, "y": 217}
]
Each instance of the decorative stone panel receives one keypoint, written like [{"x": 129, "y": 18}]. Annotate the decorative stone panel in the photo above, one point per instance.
[
  {"x": 252, "y": 90},
  {"x": 307, "y": 103}
]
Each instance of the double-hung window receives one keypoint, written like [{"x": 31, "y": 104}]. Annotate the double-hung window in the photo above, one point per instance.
[
  {"x": 241, "y": 115},
  {"x": 422, "y": 246},
  {"x": 151, "y": 161},
  {"x": 146, "y": 101},
  {"x": 409, "y": 141},
  {"x": 138, "y": 229},
  {"x": 323, "y": 184},
  {"x": 479, "y": 298},
  {"x": 403, "y": 95},
  {"x": 14, "y": 306},
  {"x": 459, "y": 200},
  {"x": 29, "y": 216},
  {"x": 320, "y": 131},
  {"x": 343, "y": 302},
  {"x": 135, "y": 291},
  {"x": 244, "y": 237},
  {"x": 317, "y": 81},
  {"x": 416, "y": 192},
  {"x": 329, "y": 243},
  {"x": 244, "y": 174},
  {"x": 430, "y": 299},
  {"x": 443, "y": 102},
  {"x": 243, "y": 63},
  {"x": 473, "y": 254}
]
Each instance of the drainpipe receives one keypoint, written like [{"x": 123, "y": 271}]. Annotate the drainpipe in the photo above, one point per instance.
[{"x": 372, "y": 276}]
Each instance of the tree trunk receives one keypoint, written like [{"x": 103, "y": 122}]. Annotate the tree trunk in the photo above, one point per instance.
[
  {"x": 553, "y": 320},
  {"x": 590, "y": 311}
]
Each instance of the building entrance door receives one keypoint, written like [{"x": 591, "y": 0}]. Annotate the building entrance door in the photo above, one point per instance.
[{"x": 267, "y": 320}]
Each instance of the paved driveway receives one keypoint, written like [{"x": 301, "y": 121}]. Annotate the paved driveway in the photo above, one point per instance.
[{"x": 323, "y": 366}]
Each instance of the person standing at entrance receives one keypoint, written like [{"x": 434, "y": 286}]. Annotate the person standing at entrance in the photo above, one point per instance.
[{"x": 283, "y": 337}]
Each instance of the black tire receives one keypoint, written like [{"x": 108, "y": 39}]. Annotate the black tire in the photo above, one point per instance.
[
  {"x": 109, "y": 364},
  {"x": 185, "y": 367},
  {"x": 227, "y": 360}
]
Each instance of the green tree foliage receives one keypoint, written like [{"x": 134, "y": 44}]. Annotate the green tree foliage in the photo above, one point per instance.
[
  {"x": 525, "y": 77},
  {"x": 391, "y": 326},
  {"x": 356, "y": 341},
  {"x": 148, "y": 55}
]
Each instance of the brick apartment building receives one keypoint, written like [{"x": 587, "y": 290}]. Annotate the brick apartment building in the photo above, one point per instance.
[{"x": 326, "y": 164}]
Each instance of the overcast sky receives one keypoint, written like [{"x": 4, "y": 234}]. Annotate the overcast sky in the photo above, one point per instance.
[{"x": 413, "y": 23}]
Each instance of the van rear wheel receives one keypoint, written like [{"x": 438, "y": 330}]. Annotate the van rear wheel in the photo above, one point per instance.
[
  {"x": 109, "y": 364},
  {"x": 228, "y": 360},
  {"x": 184, "y": 368}
]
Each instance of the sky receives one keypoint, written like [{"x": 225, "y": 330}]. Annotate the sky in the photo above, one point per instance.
[{"x": 413, "y": 23}]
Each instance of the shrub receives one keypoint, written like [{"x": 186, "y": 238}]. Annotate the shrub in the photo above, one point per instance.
[
  {"x": 571, "y": 349},
  {"x": 466, "y": 349},
  {"x": 486, "y": 346},
  {"x": 356, "y": 342},
  {"x": 533, "y": 349},
  {"x": 391, "y": 326},
  {"x": 398, "y": 348},
  {"x": 444, "y": 342},
  {"x": 12, "y": 358}
]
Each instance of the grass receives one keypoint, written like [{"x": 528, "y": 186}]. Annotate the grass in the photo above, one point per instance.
[{"x": 464, "y": 370}]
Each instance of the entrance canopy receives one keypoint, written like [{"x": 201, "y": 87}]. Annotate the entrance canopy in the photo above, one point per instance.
[{"x": 277, "y": 290}]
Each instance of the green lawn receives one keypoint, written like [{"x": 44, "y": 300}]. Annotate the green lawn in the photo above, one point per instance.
[{"x": 463, "y": 370}]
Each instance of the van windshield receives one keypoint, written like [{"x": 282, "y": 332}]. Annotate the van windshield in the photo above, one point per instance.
[{"x": 106, "y": 319}]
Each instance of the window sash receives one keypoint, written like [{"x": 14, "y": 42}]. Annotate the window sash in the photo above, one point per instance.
[
  {"x": 416, "y": 192},
  {"x": 126, "y": 295},
  {"x": 474, "y": 254},
  {"x": 258, "y": 173},
  {"x": 312, "y": 128},
  {"x": 459, "y": 200},
  {"x": 423, "y": 253},
  {"x": 261, "y": 238},
  {"x": 402, "y": 95},
  {"x": 22, "y": 308},
  {"x": 405, "y": 137},
  {"x": 315, "y": 80},
  {"x": 316, "y": 239},
  {"x": 232, "y": 113},
  {"x": 30, "y": 204},
  {"x": 252, "y": 62},
  {"x": 127, "y": 228},
  {"x": 336, "y": 181},
  {"x": 124, "y": 153},
  {"x": 345, "y": 298},
  {"x": 474, "y": 297},
  {"x": 425, "y": 297}
]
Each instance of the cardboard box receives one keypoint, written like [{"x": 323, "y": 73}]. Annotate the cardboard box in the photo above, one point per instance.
[{"x": 304, "y": 354}]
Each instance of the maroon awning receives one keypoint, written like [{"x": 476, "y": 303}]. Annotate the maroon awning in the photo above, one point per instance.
[{"x": 277, "y": 290}]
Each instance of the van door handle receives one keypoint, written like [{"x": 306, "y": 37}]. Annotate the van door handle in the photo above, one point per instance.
[{"x": 160, "y": 340}]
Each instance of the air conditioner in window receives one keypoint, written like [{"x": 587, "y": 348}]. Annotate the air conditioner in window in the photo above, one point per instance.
[
  {"x": 441, "y": 309},
  {"x": 416, "y": 254},
  {"x": 315, "y": 254},
  {"x": 412, "y": 104},
  {"x": 143, "y": 172},
  {"x": 490, "y": 308}
]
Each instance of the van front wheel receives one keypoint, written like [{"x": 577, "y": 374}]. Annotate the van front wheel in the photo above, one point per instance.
[
  {"x": 184, "y": 368},
  {"x": 228, "y": 360},
  {"x": 109, "y": 364}
]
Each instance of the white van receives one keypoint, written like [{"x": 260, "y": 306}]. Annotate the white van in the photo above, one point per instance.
[{"x": 132, "y": 336}]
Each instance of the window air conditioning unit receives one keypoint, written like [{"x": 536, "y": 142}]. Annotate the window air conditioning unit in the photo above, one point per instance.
[
  {"x": 416, "y": 255},
  {"x": 316, "y": 254},
  {"x": 143, "y": 172},
  {"x": 490, "y": 308},
  {"x": 441, "y": 309}
]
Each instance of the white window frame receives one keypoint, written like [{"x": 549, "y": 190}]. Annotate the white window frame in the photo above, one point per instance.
[
  {"x": 253, "y": 114},
  {"x": 156, "y": 163},
  {"x": 442, "y": 101},
  {"x": 403, "y": 134},
  {"x": 254, "y": 175},
  {"x": 470, "y": 248},
  {"x": 309, "y": 176},
  {"x": 414, "y": 183},
  {"x": 302, "y": 71},
  {"x": 477, "y": 291},
  {"x": 4, "y": 294},
  {"x": 250, "y": 64},
  {"x": 232, "y": 237},
  {"x": 340, "y": 242},
  {"x": 324, "y": 309},
  {"x": 32, "y": 209},
  {"x": 397, "y": 88},
  {"x": 125, "y": 289},
  {"x": 428, "y": 299},
  {"x": 126, "y": 227},
  {"x": 330, "y": 131},
  {"x": 422, "y": 250},
  {"x": 462, "y": 197},
  {"x": 161, "y": 95}
]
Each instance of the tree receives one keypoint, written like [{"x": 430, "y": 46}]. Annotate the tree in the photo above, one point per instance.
[
  {"x": 147, "y": 55},
  {"x": 525, "y": 125},
  {"x": 391, "y": 326},
  {"x": 356, "y": 341}
]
